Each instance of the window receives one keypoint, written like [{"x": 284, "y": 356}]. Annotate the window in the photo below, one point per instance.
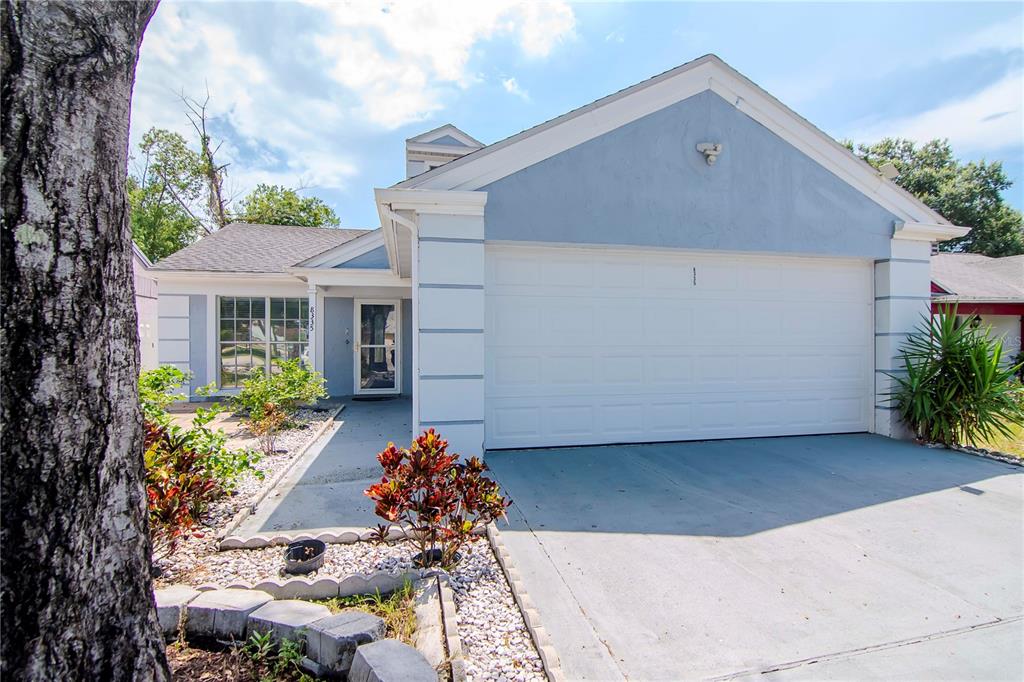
[{"x": 257, "y": 333}]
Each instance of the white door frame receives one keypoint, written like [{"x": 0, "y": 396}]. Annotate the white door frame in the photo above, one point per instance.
[{"x": 357, "y": 346}]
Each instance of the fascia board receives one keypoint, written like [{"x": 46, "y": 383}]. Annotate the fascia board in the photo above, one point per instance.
[
  {"x": 370, "y": 277},
  {"x": 928, "y": 232},
  {"x": 195, "y": 275},
  {"x": 445, "y": 149}
]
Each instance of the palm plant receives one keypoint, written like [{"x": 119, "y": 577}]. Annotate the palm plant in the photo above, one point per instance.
[{"x": 956, "y": 388}]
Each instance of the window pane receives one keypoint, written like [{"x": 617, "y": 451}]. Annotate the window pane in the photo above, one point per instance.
[
  {"x": 227, "y": 306},
  {"x": 258, "y": 354},
  {"x": 291, "y": 308},
  {"x": 277, "y": 308},
  {"x": 303, "y": 331},
  {"x": 258, "y": 308},
  {"x": 291, "y": 330},
  {"x": 227, "y": 330},
  {"x": 277, "y": 331},
  {"x": 376, "y": 370},
  {"x": 304, "y": 308},
  {"x": 241, "y": 307},
  {"x": 258, "y": 329},
  {"x": 377, "y": 323},
  {"x": 241, "y": 330},
  {"x": 227, "y": 365}
]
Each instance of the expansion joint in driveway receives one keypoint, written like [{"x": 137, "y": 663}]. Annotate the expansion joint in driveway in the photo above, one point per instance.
[
  {"x": 572, "y": 593},
  {"x": 852, "y": 653}
]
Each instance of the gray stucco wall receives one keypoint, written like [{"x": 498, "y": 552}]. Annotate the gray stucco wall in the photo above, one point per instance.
[
  {"x": 338, "y": 361},
  {"x": 645, "y": 184},
  {"x": 197, "y": 342},
  {"x": 377, "y": 259},
  {"x": 447, "y": 140},
  {"x": 337, "y": 321}
]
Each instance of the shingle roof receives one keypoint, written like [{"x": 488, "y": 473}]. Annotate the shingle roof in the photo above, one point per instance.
[
  {"x": 973, "y": 277},
  {"x": 247, "y": 247}
]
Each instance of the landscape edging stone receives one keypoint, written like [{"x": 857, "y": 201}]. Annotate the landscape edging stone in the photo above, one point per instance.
[{"x": 531, "y": 616}]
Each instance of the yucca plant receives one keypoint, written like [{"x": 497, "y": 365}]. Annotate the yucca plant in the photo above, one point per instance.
[{"x": 957, "y": 390}]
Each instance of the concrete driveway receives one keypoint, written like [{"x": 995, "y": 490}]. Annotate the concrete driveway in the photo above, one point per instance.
[{"x": 827, "y": 557}]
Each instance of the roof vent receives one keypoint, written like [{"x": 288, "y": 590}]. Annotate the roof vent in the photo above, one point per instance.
[{"x": 435, "y": 148}]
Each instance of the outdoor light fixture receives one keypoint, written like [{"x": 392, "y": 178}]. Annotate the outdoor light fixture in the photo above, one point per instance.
[
  {"x": 710, "y": 150},
  {"x": 889, "y": 171}
]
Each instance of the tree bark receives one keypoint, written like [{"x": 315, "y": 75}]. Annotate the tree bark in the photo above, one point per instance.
[{"x": 75, "y": 589}]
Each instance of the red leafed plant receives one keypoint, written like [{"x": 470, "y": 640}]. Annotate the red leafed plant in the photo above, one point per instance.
[
  {"x": 439, "y": 499},
  {"x": 179, "y": 486}
]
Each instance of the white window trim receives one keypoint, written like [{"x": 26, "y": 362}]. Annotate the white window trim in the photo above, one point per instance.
[{"x": 268, "y": 343}]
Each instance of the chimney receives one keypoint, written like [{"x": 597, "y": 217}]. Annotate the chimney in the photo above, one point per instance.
[{"x": 435, "y": 148}]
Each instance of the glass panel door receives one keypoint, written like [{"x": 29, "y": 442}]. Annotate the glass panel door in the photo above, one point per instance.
[{"x": 377, "y": 358}]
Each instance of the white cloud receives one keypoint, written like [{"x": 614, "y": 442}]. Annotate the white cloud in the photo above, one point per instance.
[
  {"x": 830, "y": 70},
  {"x": 1003, "y": 36},
  {"x": 276, "y": 135},
  {"x": 985, "y": 121},
  {"x": 400, "y": 58},
  {"x": 512, "y": 87},
  {"x": 615, "y": 37}
]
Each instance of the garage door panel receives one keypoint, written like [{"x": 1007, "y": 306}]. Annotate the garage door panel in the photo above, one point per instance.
[{"x": 592, "y": 346}]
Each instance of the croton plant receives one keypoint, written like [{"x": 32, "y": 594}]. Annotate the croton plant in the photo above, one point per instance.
[{"x": 439, "y": 500}]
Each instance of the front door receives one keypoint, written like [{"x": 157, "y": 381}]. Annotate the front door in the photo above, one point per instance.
[{"x": 377, "y": 353}]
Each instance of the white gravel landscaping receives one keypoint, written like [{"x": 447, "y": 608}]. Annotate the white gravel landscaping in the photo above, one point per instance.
[
  {"x": 191, "y": 552},
  {"x": 495, "y": 642}
]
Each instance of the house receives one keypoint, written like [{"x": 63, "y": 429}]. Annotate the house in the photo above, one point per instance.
[
  {"x": 145, "y": 307},
  {"x": 989, "y": 290},
  {"x": 684, "y": 259}
]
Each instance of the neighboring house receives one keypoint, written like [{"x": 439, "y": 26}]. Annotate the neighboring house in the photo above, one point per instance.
[
  {"x": 990, "y": 290},
  {"x": 145, "y": 307},
  {"x": 684, "y": 259}
]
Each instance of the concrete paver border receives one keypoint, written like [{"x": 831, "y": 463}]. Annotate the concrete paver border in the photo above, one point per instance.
[{"x": 531, "y": 616}]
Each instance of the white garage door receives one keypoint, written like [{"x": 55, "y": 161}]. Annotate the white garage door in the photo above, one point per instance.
[{"x": 599, "y": 346}]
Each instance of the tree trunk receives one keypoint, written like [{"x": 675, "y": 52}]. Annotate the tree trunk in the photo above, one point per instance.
[{"x": 75, "y": 588}]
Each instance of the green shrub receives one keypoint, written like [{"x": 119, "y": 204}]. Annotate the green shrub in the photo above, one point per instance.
[
  {"x": 158, "y": 389},
  {"x": 291, "y": 385},
  {"x": 957, "y": 389},
  {"x": 180, "y": 484}
]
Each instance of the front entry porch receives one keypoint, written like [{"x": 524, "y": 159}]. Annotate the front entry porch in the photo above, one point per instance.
[{"x": 326, "y": 489}]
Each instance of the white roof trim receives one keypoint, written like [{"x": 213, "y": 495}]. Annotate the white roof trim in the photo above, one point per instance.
[
  {"x": 929, "y": 232},
  {"x": 446, "y": 129},
  {"x": 344, "y": 252},
  {"x": 508, "y": 156},
  {"x": 137, "y": 250},
  {"x": 362, "y": 277}
]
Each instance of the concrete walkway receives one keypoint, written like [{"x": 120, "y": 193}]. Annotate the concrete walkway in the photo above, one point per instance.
[
  {"x": 833, "y": 557},
  {"x": 325, "y": 490}
]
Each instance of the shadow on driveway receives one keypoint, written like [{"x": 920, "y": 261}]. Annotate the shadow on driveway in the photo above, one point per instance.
[{"x": 831, "y": 557}]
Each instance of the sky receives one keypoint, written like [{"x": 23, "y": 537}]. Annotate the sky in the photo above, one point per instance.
[{"x": 322, "y": 95}]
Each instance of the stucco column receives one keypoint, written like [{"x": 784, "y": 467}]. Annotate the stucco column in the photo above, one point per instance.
[
  {"x": 449, "y": 301},
  {"x": 313, "y": 349},
  {"x": 902, "y": 303}
]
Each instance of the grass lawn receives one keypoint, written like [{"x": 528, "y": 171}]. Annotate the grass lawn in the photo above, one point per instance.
[{"x": 1011, "y": 446}]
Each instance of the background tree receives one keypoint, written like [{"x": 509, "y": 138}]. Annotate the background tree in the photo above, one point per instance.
[
  {"x": 163, "y": 191},
  {"x": 277, "y": 205},
  {"x": 966, "y": 194},
  {"x": 217, "y": 203},
  {"x": 75, "y": 586}
]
